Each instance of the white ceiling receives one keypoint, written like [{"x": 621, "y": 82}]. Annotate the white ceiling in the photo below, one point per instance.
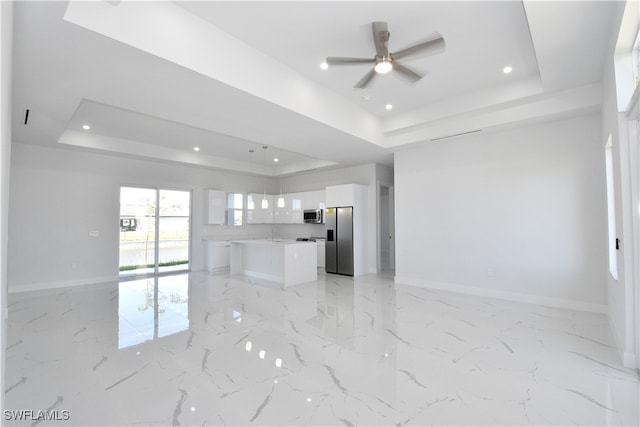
[{"x": 156, "y": 79}]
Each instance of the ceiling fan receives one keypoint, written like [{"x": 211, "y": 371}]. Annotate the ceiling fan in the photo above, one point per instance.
[{"x": 385, "y": 61}]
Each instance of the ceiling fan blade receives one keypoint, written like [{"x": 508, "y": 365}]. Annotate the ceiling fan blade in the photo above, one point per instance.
[
  {"x": 427, "y": 48},
  {"x": 364, "y": 81},
  {"x": 406, "y": 73},
  {"x": 381, "y": 38},
  {"x": 334, "y": 60}
]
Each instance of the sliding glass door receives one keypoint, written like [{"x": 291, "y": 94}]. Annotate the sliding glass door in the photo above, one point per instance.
[
  {"x": 154, "y": 230},
  {"x": 173, "y": 221}
]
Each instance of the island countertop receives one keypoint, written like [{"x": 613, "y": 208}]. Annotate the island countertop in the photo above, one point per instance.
[{"x": 271, "y": 242}]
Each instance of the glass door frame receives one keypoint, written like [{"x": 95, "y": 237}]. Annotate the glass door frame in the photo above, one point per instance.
[{"x": 156, "y": 250}]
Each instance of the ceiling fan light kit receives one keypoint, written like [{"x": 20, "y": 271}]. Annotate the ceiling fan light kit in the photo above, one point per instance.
[
  {"x": 383, "y": 65},
  {"x": 384, "y": 61}
]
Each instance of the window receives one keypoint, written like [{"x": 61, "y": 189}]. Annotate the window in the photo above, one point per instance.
[
  {"x": 611, "y": 210},
  {"x": 234, "y": 214}
]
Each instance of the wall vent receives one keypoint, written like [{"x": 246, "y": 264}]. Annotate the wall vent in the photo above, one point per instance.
[{"x": 456, "y": 134}]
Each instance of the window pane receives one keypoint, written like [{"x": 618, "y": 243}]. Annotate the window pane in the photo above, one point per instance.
[
  {"x": 234, "y": 200},
  {"x": 237, "y": 217},
  {"x": 173, "y": 247},
  {"x": 234, "y": 217},
  {"x": 137, "y": 230}
]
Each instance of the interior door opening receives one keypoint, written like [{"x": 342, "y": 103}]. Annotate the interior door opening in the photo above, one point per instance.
[
  {"x": 386, "y": 247},
  {"x": 154, "y": 231}
]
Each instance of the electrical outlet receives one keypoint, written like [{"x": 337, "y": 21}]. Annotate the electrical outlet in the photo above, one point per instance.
[
  {"x": 490, "y": 272},
  {"x": 94, "y": 233}
]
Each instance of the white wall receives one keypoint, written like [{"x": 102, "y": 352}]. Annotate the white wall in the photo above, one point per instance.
[
  {"x": 58, "y": 195},
  {"x": 619, "y": 292},
  {"x": 516, "y": 214},
  {"x": 6, "y": 31},
  {"x": 618, "y": 88}
]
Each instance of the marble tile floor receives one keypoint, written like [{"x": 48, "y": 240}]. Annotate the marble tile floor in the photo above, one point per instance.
[{"x": 199, "y": 350}]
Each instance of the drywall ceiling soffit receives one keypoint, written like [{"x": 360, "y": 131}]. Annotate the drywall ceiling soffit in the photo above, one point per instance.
[
  {"x": 571, "y": 40},
  {"x": 535, "y": 108},
  {"x": 242, "y": 38},
  {"x": 257, "y": 89},
  {"x": 123, "y": 131},
  {"x": 287, "y": 86},
  {"x": 230, "y": 61}
]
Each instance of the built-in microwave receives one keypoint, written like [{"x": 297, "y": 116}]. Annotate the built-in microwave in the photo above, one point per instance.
[{"x": 313, "y": 216}]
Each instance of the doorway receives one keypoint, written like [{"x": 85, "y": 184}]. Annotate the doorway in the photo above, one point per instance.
[
  {"x": 386, "y": 233},
  {"x": 154, "y": 230}
]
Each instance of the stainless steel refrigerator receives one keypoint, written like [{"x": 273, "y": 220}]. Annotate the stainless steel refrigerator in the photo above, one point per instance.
[{"x": 339, "y": 243}]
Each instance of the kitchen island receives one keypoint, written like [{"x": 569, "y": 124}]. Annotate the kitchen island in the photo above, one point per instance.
[{"x": 284, "y": 261}]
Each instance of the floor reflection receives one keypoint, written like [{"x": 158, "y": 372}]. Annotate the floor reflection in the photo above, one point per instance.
[
  {"x": 152, "y": 308},
  {"x": 202, "y": 349}
]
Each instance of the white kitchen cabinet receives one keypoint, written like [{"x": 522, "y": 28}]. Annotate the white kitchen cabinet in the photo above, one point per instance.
[
  {"x": 282, "y": 215},
  {"x": 321, "y": 253},
  {"x": 294, "y": 205},
  {"x": 256, "y": 214},
  {"x": 217, "y": 256},
  {"x": 297, "y": 216},
  {"x": 214, "y": 206},
  {"x": 313, "y": 200}
]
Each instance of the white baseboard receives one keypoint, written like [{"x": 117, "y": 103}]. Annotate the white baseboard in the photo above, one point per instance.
[
  {"x": 218, "y": 270},
  {"x": 509, "y": 296},
  {"x": 629, "y": 360},
  {"x": 61, "y": 284}
]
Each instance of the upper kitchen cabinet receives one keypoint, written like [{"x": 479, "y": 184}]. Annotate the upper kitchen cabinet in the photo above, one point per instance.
[
  {"x": 256, "y": 213},
  {"x": 346, "y": 195},
  {"x": 297, "y": 216},
  {"x": 313, "y": 200},
  {"x": 214, "y": 206},
  {"x": 291, "y": 211},
  {"x": 282, "y": 214}
]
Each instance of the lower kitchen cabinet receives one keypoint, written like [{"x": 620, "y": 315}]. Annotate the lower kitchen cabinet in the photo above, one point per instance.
[
  {"x": 321, "y": 254},
  {"x": 218, "y": 255}
]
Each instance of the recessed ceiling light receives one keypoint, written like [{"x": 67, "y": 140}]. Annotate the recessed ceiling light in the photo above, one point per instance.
[
  {"x": 388, "y": 106},
  {"x": 276, "y": 160},
  {"x": 324, "y": 66},
  {"x": 507, "y": 69},
  {"x": 196, "y": 148},
  {"x": 86, "y": 127}
]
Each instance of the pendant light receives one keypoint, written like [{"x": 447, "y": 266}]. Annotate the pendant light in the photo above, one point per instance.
[
  {"x": 265, "y": 202},
  {"x": 281, "y": 198},
  {"x": 250, "y": 204}
]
